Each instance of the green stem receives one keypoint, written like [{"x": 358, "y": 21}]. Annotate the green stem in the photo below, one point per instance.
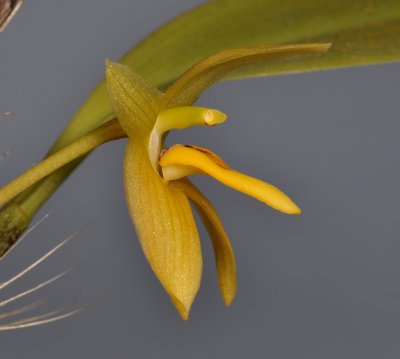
[
  {"x": 108, "y": 132},
  {"x": 15, "y": 217}
]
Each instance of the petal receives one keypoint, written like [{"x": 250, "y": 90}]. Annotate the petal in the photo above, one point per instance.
[
  {"x": 224, "y": 256},
  {"x": 187, "y": 88},
  {"x": 179, "y": 161},
  {"x": 136, "y": 102},
  {"x": 165, "y": 226}
]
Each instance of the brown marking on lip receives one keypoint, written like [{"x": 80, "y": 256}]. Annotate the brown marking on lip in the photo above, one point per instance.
[
  {"x": 218, "y": 160},
  {"x": 163, "y": 152}
]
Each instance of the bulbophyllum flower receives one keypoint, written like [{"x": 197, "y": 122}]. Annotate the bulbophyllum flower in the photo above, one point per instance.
[{"x": 157, "y": 190}]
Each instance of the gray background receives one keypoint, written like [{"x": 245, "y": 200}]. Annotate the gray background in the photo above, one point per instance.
[{"x": 323, "y": 285}]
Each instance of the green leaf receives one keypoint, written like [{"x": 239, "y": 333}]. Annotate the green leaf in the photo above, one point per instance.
[{"x": 362, "y": 32}]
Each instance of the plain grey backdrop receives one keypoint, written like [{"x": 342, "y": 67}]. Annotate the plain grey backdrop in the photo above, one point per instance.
[{"x": 322, "y": 285}]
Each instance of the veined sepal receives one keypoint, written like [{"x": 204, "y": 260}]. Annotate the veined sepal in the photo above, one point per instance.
[{"x": 165, "y": 227}]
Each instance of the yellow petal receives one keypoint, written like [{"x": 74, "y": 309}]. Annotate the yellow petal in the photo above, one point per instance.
[
  {"x": 165, "y": 227},
  {"x": 186, "y": 89},
  {"x": 135, "y": 102},
  {"x": 224, "y": 256},
  {"x": 179, "y": 161}
]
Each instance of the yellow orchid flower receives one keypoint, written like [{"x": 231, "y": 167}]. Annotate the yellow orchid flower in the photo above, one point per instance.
[{"x": 157, "y": 190}]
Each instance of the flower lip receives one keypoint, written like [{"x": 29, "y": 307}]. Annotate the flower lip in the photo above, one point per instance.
[{"x": 185, "y": 160}]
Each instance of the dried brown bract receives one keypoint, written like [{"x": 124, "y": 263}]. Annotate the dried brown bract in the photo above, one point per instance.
[{"x": 8, "y": 9}]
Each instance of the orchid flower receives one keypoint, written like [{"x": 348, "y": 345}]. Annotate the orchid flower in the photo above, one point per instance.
[{"x": 157, "y": 190}]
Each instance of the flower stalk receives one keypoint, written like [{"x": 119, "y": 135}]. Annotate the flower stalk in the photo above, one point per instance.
[
  {"x": 108, "y": 132},
  {"x": 17, "y": 214}
]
